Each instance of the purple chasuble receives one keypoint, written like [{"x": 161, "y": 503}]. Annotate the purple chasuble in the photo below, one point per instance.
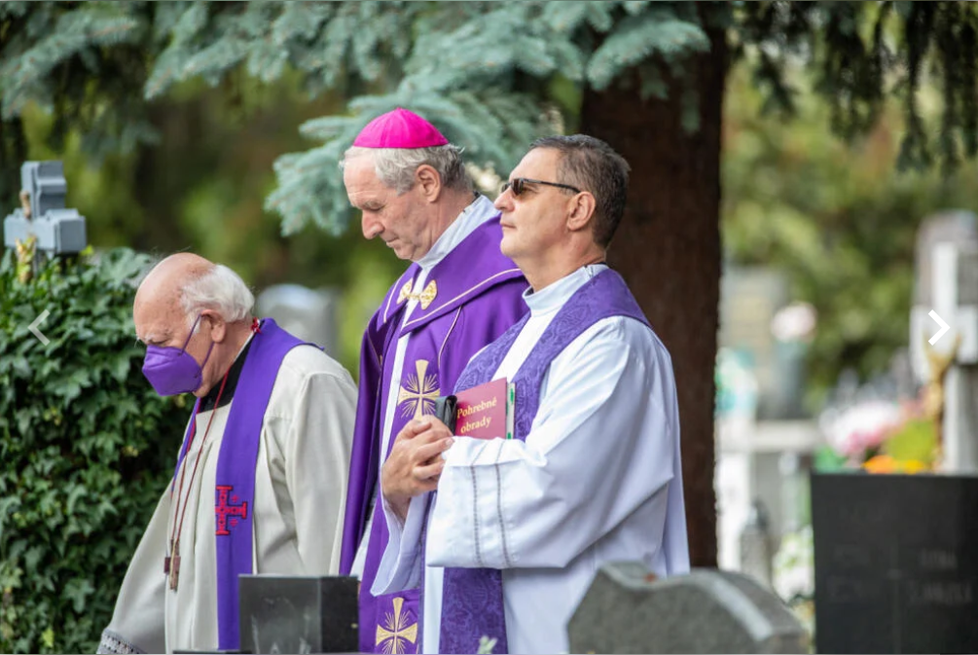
[
  {"x": 479, "y": 296},
  {"x": 472, "y": 600},
  {"x": 234, "y": 491}
]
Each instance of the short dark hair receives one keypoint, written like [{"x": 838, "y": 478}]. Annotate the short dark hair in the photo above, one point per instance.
[{"x": 592, "y": 165}]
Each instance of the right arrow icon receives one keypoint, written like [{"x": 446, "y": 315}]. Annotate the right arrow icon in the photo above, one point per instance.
[{"x": 944, "y": 327}]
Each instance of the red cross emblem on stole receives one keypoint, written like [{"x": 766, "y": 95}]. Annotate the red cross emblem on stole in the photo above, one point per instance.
[{"x": 223, "y": 509}]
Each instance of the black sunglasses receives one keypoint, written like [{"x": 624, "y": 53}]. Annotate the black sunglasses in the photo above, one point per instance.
[{"x": 518, "y": 185}]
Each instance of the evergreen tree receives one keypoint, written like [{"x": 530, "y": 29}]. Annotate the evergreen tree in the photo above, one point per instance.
[
  {"x": 83, "y": 61},
  {"x": 648, "y": 77}
]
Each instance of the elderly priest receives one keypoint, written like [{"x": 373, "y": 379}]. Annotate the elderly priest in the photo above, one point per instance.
[
  {"x": 508, "y": 545},
  {"x": 260, "y": 479}
]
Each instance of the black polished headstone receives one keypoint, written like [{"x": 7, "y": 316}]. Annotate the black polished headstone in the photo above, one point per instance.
[
  {"x": 297, "y": 614},
  {"x": 896, "y": 563}
]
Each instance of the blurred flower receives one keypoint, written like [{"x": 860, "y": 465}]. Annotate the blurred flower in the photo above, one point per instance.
[
  {"x": 879, "y": 436},
  {"x": 888, "y": 464},
  {"x": 861, "y": 429}
]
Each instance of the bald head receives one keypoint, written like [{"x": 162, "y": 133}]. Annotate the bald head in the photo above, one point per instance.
[{"x": 163, "y": 287}]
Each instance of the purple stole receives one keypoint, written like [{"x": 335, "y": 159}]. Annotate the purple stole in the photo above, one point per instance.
[
  {"x": 479, "y": 296},
  {"x": 234, "y": 491},
  {"x": 472, "y": 600}
]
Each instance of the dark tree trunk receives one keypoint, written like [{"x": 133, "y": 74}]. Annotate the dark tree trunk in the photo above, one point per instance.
[{"x": 668, "y": 249}]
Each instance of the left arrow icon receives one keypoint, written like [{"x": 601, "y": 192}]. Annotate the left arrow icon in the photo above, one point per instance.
[
  {"x": 944, "y": 327},
  {"x": 37, "y": 333}
]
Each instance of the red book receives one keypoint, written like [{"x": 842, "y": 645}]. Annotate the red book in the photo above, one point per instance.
[{"x": 485, "y": 411}]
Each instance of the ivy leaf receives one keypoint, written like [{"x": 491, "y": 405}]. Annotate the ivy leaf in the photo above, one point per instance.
[{"x": 77, "y": 591}]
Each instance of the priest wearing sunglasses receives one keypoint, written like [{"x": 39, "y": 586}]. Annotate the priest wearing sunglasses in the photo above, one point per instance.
[
  {"x": 260, "y": 477},
  {"x": 506, "y": 534},
  {"x": 458, "y": 294}
]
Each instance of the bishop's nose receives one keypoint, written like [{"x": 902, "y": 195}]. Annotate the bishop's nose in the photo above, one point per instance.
[{"x": 371, "y": 227}]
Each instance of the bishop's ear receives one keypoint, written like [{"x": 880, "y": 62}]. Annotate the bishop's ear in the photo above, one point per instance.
[
  {"x": 581, "y": 211},
  {"x": 428, "y": 182}
]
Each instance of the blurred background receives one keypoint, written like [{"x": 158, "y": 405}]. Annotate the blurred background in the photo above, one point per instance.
[{"x": 802, "y": 175}]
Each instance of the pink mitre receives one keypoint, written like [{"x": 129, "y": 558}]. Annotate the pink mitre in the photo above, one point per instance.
[{"x": 399, "y": 129}]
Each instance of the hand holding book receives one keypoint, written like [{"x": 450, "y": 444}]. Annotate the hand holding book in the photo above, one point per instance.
[{"x": 482, "y": 412}]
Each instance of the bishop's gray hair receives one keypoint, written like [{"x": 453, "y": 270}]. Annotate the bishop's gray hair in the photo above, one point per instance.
[
  {"x": 395, "y": 167},
  {"x": 221, "y": 290}
]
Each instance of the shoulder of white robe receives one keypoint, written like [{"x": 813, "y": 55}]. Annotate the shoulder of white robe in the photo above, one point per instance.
[{"x": 303, "y": 361}]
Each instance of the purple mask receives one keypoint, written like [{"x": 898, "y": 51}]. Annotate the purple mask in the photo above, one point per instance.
[{"x": 171, "y": 370}]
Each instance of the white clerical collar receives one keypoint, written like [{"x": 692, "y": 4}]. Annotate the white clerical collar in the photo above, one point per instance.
[
  {"x": 477, "y": 213},
  {"x": 553, "y": 296}
]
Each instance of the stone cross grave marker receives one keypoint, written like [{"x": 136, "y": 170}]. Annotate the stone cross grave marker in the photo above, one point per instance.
[{"x": 946, "y": 284}]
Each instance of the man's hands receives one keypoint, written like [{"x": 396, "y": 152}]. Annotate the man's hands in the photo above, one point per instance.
[{"x": 415, "y": 462}]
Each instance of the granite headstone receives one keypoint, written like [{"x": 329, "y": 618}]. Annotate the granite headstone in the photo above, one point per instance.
[{"x": 628, "y": 610}]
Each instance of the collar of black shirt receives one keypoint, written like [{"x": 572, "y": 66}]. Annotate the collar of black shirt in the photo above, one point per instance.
[{"x": 209, "y": 401}]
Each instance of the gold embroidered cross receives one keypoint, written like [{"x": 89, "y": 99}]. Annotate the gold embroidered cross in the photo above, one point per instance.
[
  {"x": 426, "y": 297},
  {"x": 419, "y": 392},
  {"x": 396, "y": 632}
]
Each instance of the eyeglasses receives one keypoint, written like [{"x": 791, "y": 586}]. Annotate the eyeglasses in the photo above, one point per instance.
[{"x": 518, "y": 185}]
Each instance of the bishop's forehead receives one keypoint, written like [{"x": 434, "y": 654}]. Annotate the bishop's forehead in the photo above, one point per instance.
[{"x": 360, "y": 171}]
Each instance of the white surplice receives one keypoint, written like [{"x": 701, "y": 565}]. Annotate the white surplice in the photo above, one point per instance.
[
  {"x": 300, "y": 496},
  {"x": 598, "y": 479}
]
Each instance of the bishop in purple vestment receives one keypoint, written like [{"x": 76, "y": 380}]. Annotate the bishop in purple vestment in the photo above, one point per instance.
[{"x": 459, "y": 294}]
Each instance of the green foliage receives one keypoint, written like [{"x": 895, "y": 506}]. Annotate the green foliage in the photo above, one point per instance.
[
  {"x": 85, "y": 450},
  {"x": 50, "y": 36},
  {"x": 79, "y": 61},
  {"x": 864, "y": 53},
  {"x": 834, "y": 218},
  {"x": 325, "y": 41}
]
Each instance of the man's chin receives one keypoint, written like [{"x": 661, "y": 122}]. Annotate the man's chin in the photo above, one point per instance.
[
  {"x": 507, "y": 248},
  {"x": 401, "y": 251}
]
